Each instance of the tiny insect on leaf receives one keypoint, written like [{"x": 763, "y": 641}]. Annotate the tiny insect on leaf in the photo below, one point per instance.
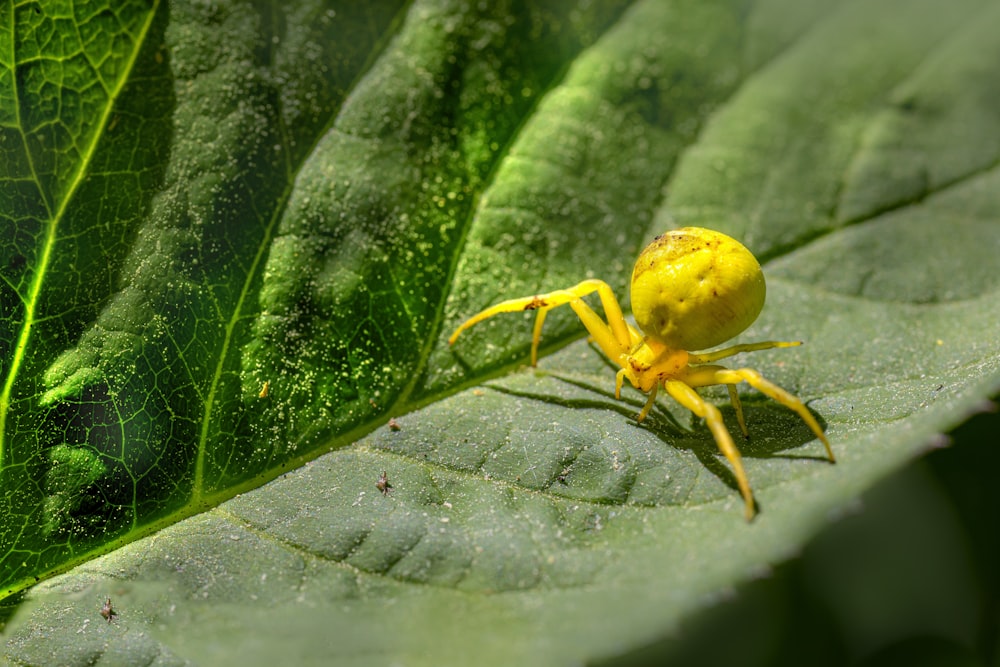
[
  {"x": 107, "y": 611},
  {"x": 383, "y": 485}
]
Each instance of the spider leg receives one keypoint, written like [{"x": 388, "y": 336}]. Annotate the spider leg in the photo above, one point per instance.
[
  {"x": 615, "y": 337},
  {"x": 708, "y": 357},
  {"x": 619, "y": 381},
  {"x": 734, "y": 398},
  {"x": 689, "y": 398},
  {"x": 706, "y": 375},
  {"x": 649, "y": 404}
]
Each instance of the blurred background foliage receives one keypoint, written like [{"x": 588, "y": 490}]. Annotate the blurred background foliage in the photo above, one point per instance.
[{"x": 910, "y": 578}]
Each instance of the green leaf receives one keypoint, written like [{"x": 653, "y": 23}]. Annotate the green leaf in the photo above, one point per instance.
[{"x": 240, "y": 235}]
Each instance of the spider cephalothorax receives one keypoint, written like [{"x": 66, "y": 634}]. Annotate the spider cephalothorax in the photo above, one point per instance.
[{"x": 692, "y": 289}]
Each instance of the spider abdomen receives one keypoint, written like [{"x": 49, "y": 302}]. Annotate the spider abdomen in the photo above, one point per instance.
[{"x": 695, "y": 288}]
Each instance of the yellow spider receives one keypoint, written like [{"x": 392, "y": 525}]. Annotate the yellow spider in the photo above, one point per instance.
[{"x": 692, "y": 289}]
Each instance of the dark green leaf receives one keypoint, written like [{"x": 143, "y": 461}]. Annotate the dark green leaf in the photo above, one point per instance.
[{"x": 241, "y": 233}]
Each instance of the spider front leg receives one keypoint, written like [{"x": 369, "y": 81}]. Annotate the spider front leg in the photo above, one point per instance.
[
  {"x": 615, "y": 337},
  {"x": 703, "y": 376},
  {"x": 689, "y": 398},
  {"x": 734, "y": 398}
]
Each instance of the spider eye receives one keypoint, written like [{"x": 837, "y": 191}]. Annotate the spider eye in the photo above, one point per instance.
[{"x": 695, "y": 288}]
